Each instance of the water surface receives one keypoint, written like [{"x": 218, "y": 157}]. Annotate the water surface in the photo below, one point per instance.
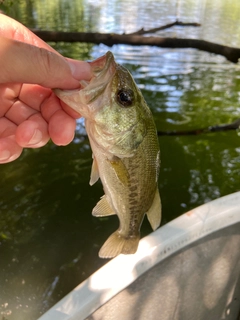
[{"x": 49, "y": 241}]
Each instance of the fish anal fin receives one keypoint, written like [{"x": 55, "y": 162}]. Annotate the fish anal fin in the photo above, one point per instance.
[
  {"x": 120, "y": 170},
  {"x": 94, "y": 173},
  {"x": 102, "y": 208},
  {"x": 117, "y": 244},
  {"x": 154, "y": 214}
]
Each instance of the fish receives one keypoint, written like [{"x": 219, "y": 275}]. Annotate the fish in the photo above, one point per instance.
[{"x": 125, "y": 151}]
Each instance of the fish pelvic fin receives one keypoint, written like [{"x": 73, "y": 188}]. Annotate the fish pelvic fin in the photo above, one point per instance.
[
  {"x": 154, "y": 214},
  {"x": 102, "y": 208},
  {"x": 117, "y": 244},
  {"x": 94, "y": 172}
]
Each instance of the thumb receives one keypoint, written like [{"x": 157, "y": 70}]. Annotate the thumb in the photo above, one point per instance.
[{"x": 24, "y": 63}]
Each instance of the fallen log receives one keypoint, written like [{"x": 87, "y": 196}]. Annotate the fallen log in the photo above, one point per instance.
[{"x": 230, "y": 53}]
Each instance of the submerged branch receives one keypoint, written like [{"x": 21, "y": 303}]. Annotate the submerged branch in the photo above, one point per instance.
[
  {"x": 109, "y": 39},
  {"x": 224, "y": 127}
]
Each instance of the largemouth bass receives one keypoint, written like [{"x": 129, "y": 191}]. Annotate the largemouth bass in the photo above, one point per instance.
[{"x": 125, "y": 148}]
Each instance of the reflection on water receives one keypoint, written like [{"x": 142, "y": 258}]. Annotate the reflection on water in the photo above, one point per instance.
[{"x": 48, "y": 239}]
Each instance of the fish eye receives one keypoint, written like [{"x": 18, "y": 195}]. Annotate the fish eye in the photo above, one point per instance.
[{"x": 125, "y": 97}]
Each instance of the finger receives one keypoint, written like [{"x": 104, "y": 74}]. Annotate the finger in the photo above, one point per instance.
[
  {"x": 13, "y": 29},
  {"x": 61, "y": 128},
  {"x": 32, "y": 133},
  {"x": 8, "y": 95},
  {"x": 53, "y": 104},
  {"x": 38, "y": 66},
  {"x": 50, "y": 106},
  {"x": 81, "y": 70},
  {"x": 74, "y": 114},
  {"x": 19, "y": 112},
  {"x": 7, "y": 128},
  {"x": 9, "y": 149},
  {"x": 34, "y": 95}
]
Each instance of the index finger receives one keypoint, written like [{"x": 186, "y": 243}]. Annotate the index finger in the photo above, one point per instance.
[{"x": 13, "y": 29}]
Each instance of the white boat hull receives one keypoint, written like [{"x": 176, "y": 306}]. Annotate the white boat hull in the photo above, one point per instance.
[{"x": 189, "y": 269}]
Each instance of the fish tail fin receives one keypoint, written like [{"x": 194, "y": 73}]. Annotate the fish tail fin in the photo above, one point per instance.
[{"x": 117, "y": 244}]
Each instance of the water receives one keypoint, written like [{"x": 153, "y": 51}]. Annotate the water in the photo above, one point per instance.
[{"x": 48, "y": 239}]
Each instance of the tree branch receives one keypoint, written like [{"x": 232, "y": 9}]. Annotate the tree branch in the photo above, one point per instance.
[
  {"x": 166, "y": 26},
  {"x": 136, "y": 38},
  {"x": 230, "y": 53}
]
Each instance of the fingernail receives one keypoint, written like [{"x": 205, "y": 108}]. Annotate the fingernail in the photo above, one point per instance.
[
  {"x": 4, "y": 155},
  {"x": 72, "y": 66},
  {"x": 36, "y": 138},
  {"x": 80, "y": 69}
]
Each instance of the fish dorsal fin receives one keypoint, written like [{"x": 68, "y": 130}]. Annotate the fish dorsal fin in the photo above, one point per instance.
[
  {"x": 94, "y": 172},
  {"x": 102, "y": 208},
  {"x": 155, "y": 212},
  {"x": 120, "y": 170}
]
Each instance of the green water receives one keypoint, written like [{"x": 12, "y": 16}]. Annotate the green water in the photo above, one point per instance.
[{"x": 49, "y": 241}]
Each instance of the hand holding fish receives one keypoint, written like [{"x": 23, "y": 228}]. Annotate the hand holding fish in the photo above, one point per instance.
[
  {"x": 118, "y": 121},
  {"x": 30, "y": 113}
]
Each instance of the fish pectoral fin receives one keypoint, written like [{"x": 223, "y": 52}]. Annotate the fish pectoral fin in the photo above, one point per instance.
[
  {"x": 102, "y": 208},
  {"x": 154, "y": 214},
  {"x": 120, "y": 170},
  {"x": 117, "y": 244},
  {"x": 94, "y": 173}
]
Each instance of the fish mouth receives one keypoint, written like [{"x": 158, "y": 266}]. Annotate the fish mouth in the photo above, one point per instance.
[
  {"x": 103, "y": 70},
  {"x": 101, "y": 65}
]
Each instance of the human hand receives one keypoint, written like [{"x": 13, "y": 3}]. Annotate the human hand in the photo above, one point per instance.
[{"x": 30, "y": 113}]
